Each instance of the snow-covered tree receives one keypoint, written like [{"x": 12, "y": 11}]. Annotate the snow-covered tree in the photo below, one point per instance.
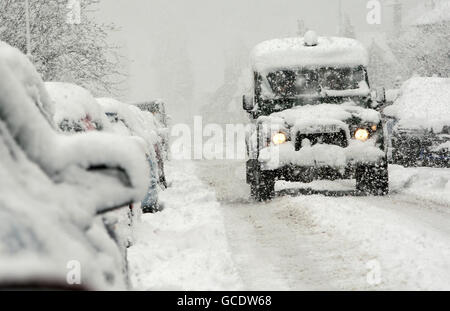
[{"x": 66, "y": 51}]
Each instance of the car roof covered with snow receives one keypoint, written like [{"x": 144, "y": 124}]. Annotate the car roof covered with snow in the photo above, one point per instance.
[
  {"x": 137, "y": 121},
  {"x": 294, "y": 52},
  {"x": 423, "y": 103},
  {"x": 73, "y": 103}
]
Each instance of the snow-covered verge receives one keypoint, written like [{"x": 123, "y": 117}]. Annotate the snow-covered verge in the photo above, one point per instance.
[{"x": 184, "y": 247}]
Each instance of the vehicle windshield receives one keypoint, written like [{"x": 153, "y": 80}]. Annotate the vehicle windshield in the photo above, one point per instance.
[{"x": 294, "y": 83}]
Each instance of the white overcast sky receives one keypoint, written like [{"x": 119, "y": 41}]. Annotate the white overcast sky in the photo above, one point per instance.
[{"x": 212, "y": 25}]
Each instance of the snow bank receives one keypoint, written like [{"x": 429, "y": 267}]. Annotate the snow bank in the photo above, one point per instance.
[
  {"x": 287, "y": 53},
  {"x": 185, "y": 247},
  {"x": 424, "y": 103}
]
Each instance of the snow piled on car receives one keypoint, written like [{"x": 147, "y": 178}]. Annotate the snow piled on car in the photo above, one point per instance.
[
  {"x": 185, "y": 247},
  {"x": 74, "y": 103},
  {"x": 286, "y": 53},
  {"x": 424, "y": 103},
  {"x": 27, "y": 75},
  {"x": 48, "y": 198}
]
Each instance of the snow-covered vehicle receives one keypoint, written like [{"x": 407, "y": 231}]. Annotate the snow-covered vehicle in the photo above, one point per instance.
[
  {"x": 76, "y": 110},
  {"x": 158, "y": 109},
  {"x": 126, "y": 120},
  {"x": 419, "y": 122},
  {"x": 53, "y": 186},
  {"x": 314, "y": 116}
]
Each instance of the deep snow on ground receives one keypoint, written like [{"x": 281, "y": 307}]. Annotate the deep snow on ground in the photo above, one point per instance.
[
  {"x": 185, "y": 246},
  {"x": 212, "y": 236}
]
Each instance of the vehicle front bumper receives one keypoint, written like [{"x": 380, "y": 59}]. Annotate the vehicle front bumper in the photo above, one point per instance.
[{"x": 321, "y": 156}]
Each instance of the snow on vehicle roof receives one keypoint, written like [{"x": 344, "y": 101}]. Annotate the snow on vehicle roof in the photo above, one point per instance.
[
  {"x": 135, "y": 119},
  {"x": 424, "y": 103},
  {"x": 73, "y": 102},
  {"x": 292, "y": 52}
]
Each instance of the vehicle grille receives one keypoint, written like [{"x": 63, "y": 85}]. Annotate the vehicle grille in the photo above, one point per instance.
[{"x": 338, "y": 139}]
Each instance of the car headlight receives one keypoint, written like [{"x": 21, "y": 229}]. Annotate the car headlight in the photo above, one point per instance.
[
  {"x": 279, "y": 138},
  {"x": 362, "y": 134}
]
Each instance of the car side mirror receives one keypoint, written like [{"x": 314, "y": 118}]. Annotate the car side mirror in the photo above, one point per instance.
[
  {"x": 118, "y": 174},
  {"x": 247, "y": 103}
]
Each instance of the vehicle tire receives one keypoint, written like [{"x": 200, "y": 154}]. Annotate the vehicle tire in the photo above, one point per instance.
[
  {"x": 263, "y": 186},
  {"x": 373, "y": 179}
]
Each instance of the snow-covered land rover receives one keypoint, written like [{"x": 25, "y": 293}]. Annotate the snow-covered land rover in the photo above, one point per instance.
[{"x": 313, "y": 115}]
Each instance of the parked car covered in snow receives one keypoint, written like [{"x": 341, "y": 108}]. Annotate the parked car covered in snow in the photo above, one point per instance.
[
  {"x": 419, "y": 122},
  {"x": 76, "y": 110},
  {"x": 52, "y": 187},
  {"x": 161, "y": 119},
  {"x": 126, "y": 121},
  {"x": 313, "y": 116}
]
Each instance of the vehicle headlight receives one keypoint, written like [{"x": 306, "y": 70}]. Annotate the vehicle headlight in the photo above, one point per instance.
[
  {"x": 279, "y": 138},
  {"x": 362, "y": 134}
]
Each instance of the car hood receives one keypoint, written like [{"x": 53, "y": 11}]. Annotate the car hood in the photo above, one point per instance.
[{"x": 312, "y": 117}]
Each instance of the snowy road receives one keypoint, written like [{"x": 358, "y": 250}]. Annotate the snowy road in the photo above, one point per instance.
[{"x": 305, "y": 242}]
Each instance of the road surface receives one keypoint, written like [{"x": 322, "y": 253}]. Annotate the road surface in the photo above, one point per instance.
[{"x": 312, "y": 242}]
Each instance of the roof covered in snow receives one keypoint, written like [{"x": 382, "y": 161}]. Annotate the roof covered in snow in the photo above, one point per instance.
[
  {"x": 424, "y": 103},
  {"x": 292, "y": 52}
]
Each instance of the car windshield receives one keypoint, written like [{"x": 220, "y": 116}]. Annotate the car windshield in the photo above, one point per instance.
[{"x": 293, "y": 83}]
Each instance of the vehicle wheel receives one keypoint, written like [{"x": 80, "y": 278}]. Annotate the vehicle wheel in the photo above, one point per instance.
[
  {"x": 263, "y": 186},
  {"x": 373, "y": 179}
]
